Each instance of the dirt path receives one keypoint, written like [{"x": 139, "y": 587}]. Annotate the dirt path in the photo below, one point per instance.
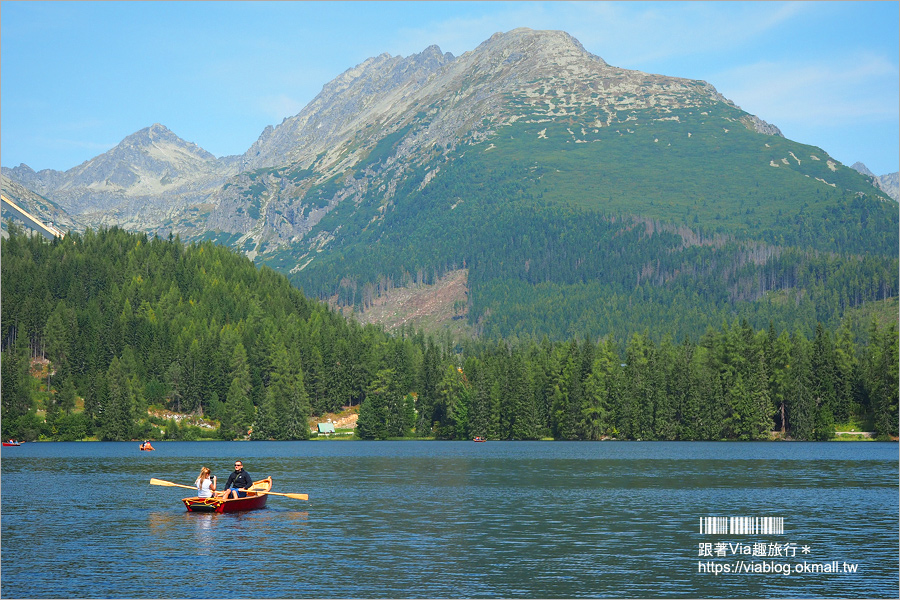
[{"x": 867, "y": 434}]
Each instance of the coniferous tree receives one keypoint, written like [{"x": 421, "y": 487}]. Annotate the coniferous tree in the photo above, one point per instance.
[
  {"x": 174, "y": 378},
  {"x": 60, "y": 330},
  {"x": 527, "y": 418},
  {"x": 563, "y": 423},
  {"x": 681, "y": 388},
  {"x": 239, "y": 411},
  {"x": 372, "y": 422},
  {"x": 295, "y": 415},
  {"x": 174, "y": 318},
  {"x": 711, "y": 425},
  {"x": 117, "y": 418},
  {"x": 760, "y": 422},
  {"x": 193, "y": 369},
  {"x": 266, "y": 426},
  {"x": 480, "y": 407},
  {"x": 779, "y": 364},
  {"x": 66, "y": 396},
  {"x": 881, "y": 380},
  {"x": 825, "y": 381},
  {"x": 845, "y": 366},
  {"x": 596, "y": 407},
  {"x": 459, "y": 415},
  {"x": 452, "y": 405},
  {"x": 801, "y": 399},
  {"x": 666, "y": 425},
  {"x": 16, "y": 393},
  {"x": 740, "y": 404}
]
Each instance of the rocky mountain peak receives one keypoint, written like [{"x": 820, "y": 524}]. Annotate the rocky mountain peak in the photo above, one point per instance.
[
  {"x": 888, "y": 183},
  {"x": 557, "y": 47},
  {"x": 363, "y": 94},
  {"x": 161, "y": 137},
  {"x": 862, "y": 168}
]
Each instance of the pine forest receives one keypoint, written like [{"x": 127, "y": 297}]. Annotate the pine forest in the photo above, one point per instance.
[{"x": 104, "y": 329}]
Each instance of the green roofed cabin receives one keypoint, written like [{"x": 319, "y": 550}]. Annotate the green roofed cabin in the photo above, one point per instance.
[{"x": 326, "y": 427}]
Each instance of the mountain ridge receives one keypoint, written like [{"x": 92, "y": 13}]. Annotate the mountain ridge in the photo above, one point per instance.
[
  {"x": 528, "y": 162},
  {"x": 184, "y": 174}
]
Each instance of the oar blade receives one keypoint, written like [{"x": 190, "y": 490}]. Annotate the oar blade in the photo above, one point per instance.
[
  {"x": 154, "y": 481},
  {"x": 294, "y": 496}
]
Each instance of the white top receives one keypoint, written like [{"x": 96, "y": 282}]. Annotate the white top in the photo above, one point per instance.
[{"x": 203, "y": 490}]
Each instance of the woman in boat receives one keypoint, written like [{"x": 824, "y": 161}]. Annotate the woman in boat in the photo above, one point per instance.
[{"x": 206, "y": 483}]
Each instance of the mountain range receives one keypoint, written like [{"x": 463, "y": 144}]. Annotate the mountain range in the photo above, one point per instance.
[{"x": 570, "y": 196}]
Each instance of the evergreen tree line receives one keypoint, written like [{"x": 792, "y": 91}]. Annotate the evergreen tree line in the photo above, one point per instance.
[
  {"x": 603, "y": 273},
  {"x": 123, "y": 322}
]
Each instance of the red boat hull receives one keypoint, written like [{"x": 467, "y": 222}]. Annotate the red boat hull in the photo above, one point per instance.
[
  {"x": 8, "y": 444},
  {"x": 218, "y": 505}
]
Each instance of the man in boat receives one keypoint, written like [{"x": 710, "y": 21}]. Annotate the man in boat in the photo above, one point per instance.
[{"x": 238, "y": 482}]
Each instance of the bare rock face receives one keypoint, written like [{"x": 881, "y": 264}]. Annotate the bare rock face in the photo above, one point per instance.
[
  {"x": 45, "y": 210},
  {"x": 367, "y": 95},
  {"x": 150, "y": 175},
  {"x": 860, "y": 167},
  {"x": 149, "y": 161},
  {"x": 887, "y": 183},
  {"x": 447, "y": 99},
  {"x": 411, "y": 113}
]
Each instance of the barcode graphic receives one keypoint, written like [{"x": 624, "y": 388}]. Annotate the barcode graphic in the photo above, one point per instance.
[{"x": 742, "y": 525}]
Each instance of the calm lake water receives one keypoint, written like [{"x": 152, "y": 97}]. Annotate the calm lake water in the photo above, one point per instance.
[{"x": 453, "y": 520}]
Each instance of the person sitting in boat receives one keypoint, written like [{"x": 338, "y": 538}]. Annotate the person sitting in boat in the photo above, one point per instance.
[
  {"x": 236, "y": 481},
  {"x": 206, "y": 483}
]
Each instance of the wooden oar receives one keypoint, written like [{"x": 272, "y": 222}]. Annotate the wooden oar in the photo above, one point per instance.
[
  {"x": 294, "y": 496},
  {"x": 155, "y": 481}
]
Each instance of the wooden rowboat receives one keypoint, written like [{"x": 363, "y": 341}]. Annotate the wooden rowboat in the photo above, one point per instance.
[{"x": 256, "y": 498}]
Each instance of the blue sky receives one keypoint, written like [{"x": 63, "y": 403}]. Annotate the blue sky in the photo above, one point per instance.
[{"x": 77, "y": 77}]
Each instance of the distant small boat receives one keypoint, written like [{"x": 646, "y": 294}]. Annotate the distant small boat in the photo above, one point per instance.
[
  {"x": 256, "y": 498},
  {"x": 478, "y": 438},
  {"x": 147, "y": 446},
  {"x": 12, "y": 443}
]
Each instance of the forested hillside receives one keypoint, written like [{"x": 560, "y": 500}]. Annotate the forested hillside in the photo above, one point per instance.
[
  {"x": 556, "y": 247},
  {"x": 572, "y": 198},
  {"x": 123, "y": 322}
]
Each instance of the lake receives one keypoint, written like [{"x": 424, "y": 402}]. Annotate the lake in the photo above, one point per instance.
[{"x": 455, "y": 520}]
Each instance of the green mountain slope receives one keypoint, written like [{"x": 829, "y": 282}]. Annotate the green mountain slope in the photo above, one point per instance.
[
  {"x": 629, "y": 227},
  {"x": 575, "y": 197},
  {"x": 100, "y": 327}
]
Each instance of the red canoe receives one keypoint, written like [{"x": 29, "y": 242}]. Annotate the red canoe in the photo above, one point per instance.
[
  {"x": 256, "y": 498},
  {"x": 12, "y": 443}
]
